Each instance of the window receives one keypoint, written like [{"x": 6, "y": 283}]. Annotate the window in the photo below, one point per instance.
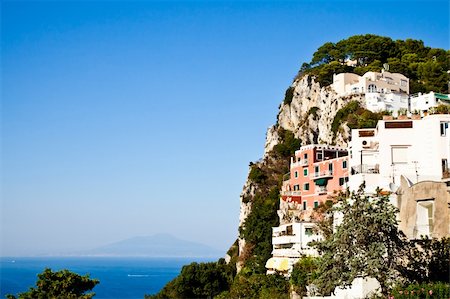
[
  {"x": 399, "y": 154},
  {"x": 319, "y": 156},
  {"x": 372, "y": 88},
  {"x": 424, "y": 218},
  {"x": 344, "y": 164},
  {"x": 330, "y": 167},
  {"x": 306, "y": 187},
  {"x": 309, "y": 231},
  {"x": 296, "y": 174},
  {"x": 305, "y": 156},
  {"x": 316, "y": 204},
  {"x": 296, "y": 187},
  {"x": 445, "y": 169},
  {"x": 342, "y": 181},
  {"x": 305, "y": 172},
  {"x": 316, "y": 170},
  {"x": 444, "y": 127},
  {"x": 305, "y": 204}
]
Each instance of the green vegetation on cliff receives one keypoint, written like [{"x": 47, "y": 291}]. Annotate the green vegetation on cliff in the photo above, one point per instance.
[{"x": 425, "y": 67}]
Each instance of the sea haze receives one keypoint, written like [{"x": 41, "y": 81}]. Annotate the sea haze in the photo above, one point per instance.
[
  {"x": 125, "y": 278},
  {"x": 160, "y": 245}
]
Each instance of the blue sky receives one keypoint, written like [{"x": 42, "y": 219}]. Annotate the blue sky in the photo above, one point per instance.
[{"x": 130, "y": 118}]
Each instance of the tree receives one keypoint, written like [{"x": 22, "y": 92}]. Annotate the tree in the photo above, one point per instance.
[
  {"x": 199, "y": 280},
  {"x": 60, "y": 284},
  {"x": 303, "y": 274},
  {"x": 366, "y": 244}
]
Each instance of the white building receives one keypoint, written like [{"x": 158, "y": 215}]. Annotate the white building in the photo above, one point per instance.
[
  {"x": 383, "y": 91},
  {"x": 290, "y": 242},
  {"x": 422, "y": 103},
  {"x": 417, "y": 149}
]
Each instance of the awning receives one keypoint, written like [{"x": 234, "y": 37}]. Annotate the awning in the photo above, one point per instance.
[
  {"x": 321, "y": 182},
  {"x": 276, "y": 263},
  {"x": 270, "y": 264},
  {"x": 441, "y": 96}
]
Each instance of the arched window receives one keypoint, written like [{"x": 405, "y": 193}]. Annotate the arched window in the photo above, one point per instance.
[{"x": 372, "y": 88}]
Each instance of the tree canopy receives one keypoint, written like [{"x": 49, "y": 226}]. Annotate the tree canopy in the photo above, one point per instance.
[
  {"x": 366, "y": 244},
  {"x": 425, "y": 67},
  {"x": 62, "y": 284}
]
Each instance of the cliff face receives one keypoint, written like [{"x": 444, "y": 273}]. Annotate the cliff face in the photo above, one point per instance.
[{"x": 309, "y": 115}]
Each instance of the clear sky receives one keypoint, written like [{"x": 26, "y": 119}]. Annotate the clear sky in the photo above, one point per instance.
[{"x": 130, "y": 118}]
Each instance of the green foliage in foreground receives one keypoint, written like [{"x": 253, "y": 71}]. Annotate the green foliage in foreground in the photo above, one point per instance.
[
  {"x": 260, "y": 286},
  {"x": 199, "y": 280},
  {"x": 419, "y": 291},
  {"x": 366, "y": 244},
  {"x": 304, "y": 273},
  {"x": 61, "y": 284},
  {"x": 425, "y": 67}
]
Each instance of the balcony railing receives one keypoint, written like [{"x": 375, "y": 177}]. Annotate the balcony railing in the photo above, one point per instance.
[
  {"x": 322, "y": 174},
  {"x": 365, "y": 168},
  {"x": 321, "y": 189},
  {"x": 291, "y": 193}
]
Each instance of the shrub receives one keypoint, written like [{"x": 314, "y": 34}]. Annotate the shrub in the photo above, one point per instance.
[
  {"x": 288, "y": 95},
  {"x": 424, "y": 290},
  {"x": 256, "y": 174}
]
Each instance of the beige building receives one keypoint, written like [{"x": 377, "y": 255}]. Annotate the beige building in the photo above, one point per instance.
[{"x": 424, "y": 208}]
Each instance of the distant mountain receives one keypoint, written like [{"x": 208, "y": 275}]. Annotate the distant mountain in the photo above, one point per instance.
[{"x": 160, "y": 245}]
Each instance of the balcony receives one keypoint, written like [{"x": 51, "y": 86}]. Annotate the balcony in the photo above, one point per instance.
[
  {"x": 287, "y": 252},
  {"x": 322, "y": 175},
  {"x": 286, "y": 239},
  {"x": 302, "y": 162},
  {"x": 365, "y": 168},
  {"x": 321, "y": 190},
  {"x": 291, "y": 193}
]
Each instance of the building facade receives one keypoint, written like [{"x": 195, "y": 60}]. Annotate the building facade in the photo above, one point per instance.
[
  {"x": 418, "y": 149},
  {"x": 409, "y": 160},
  {"x": 383, "y": 91},
  {"x": 316, "y": 173},
  {"x": 423, "y": 103}
]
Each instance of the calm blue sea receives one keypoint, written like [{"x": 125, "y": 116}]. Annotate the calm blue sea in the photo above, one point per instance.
[{"x": 121, "y": 278}]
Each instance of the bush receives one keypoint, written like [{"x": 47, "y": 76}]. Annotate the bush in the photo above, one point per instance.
[
  {"x": 256, "y": 174},
  {"x": 287, "y": 145},
  {"x": 199, "y": 280},
  {"x": 260, "y": 286},
  {"x": 288, "y": 95},
  {"x": 304, "y": 272},
  {"x": 425, "y": 290},
  {"x": 60, "y": 284}
]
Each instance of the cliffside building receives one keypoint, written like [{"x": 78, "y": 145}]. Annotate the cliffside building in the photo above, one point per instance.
[
  {"x": 316, "y": 172},
  {"x": 423, "y": 103},
  {"x": 410, "y": 160},
  {"x": 383, "y": 91}
]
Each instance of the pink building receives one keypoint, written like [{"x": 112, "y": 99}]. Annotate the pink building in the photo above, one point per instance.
[{"x": 316, "y": 172}]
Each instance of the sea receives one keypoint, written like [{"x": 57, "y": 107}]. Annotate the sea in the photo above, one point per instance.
[{"x": 120, "y": 278}]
